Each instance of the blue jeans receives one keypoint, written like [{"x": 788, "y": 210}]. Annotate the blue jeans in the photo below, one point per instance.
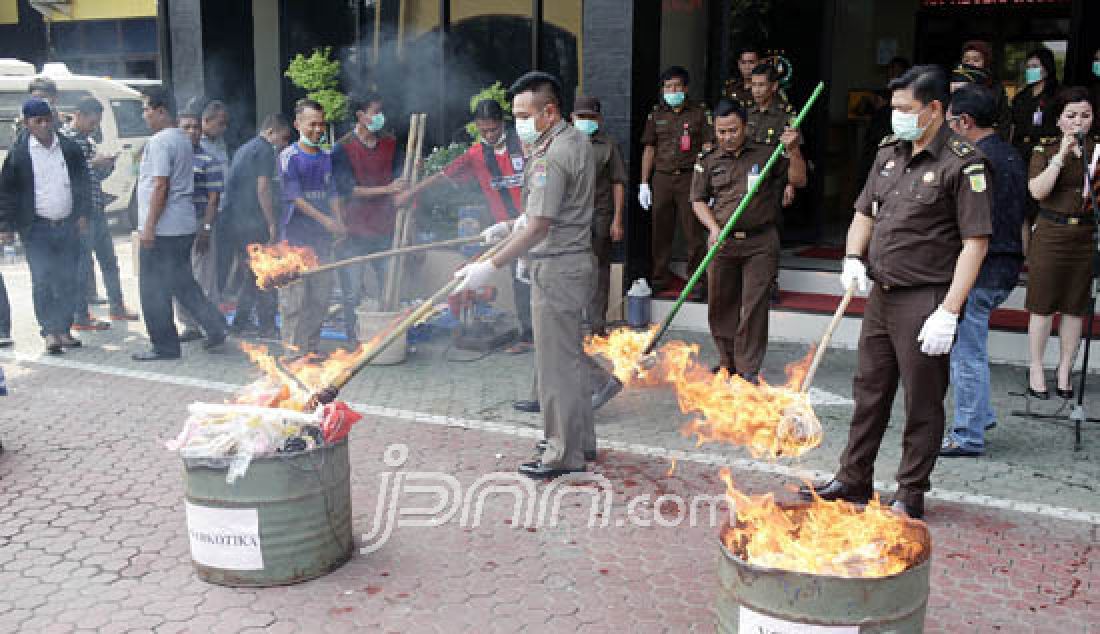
[
  {"x": 166, "y": 275},
  {"x": 53, "y": 254},
  {"x": 5, "y": 310},
  {"x": 351, "y": 277},
  {"x": 97, "y": 241},
  {"x": 970, "y": 369}
]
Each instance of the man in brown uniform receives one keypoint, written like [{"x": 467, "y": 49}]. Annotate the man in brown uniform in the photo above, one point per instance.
[
  {"x": 742, "y": 271},
  {"x": 739, "y": 89},
  {"x": 675, "y": 132},
  {"x": 922, "y": 226},
  {"x": 610, "y": 194},
  {"x": 557, "y": 240}
]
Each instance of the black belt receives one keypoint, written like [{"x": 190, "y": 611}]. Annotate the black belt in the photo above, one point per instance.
[
  {"x": 893, "y": 288},
  {"x": 53, "y": 223},
  {"x": 677, "y": 171},
  {"x": 749, "y": 233},
  {"x": 1063, "y": 219},
  {"x": 544, "y": 256}
]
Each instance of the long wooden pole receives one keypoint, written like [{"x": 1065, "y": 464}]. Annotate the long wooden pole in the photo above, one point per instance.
[
  {"x": 359, "y": 259},
  {"x": 404, "y": 225},
  {"x": 826, "y": 338},
  {"x": 329, "y": 393},
  {"x": 399, "y": 220}
]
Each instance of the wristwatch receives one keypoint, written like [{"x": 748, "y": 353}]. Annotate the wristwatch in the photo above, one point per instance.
[{"x": 207, "y": 227}]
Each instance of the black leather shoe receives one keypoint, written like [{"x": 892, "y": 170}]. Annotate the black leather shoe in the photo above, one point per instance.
[
  {"x": 589, "y": 456},
  {"x": 1042, "y": 396},
  {"x": 912, "y": 511},
  {"x": 531, "y": 407},
  {"x": 609, "y": 391},
  {"x": 836, "y": 490},
  {"x": 1066, "y": 394},
  {"x": 540, "y": 471},
  {"x": 190, "y": 335},
  {"x": 214, "y": 341},
  {"x": 152, "y": 355}
]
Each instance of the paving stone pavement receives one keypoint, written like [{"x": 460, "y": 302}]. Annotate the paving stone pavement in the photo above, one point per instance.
[{"x": 91, "y": 523}]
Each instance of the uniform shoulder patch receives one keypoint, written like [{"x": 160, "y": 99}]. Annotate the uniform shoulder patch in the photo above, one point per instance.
[
  {"x": 1038, "y": 149},
  {"x": 974, "y": 167},
  {"x": 889, "y": 139},
  {"x": 961, "y": 148},
  {"x": 1048, "y": 140}
]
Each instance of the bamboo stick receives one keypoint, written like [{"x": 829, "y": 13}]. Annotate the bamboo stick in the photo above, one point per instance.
[
  {"x": 399, "y": 221},
  {"x": 359, "y": 259},
  {"x": 394, "y": 296}
]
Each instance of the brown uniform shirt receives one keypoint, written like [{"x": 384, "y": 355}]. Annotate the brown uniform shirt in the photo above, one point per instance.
[
  {"x": 765, "y": 126},
  {"x": 724, "y": 176},
  {"x": 923, "y": 207},
  {"x": 610, "y": 170},
  {"x": 558, "y": 184},
  {"x": 1067, "y": 197},
  {"x": 665, "y": 126},
  {"x": 735, "y": 90}
]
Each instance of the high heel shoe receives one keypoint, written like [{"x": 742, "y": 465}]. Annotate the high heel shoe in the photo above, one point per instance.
[
  {"x": 1042, "y": 396},
  {"x": 1066, "y": 394}
]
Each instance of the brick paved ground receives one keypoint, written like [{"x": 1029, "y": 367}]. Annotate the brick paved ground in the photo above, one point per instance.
[{"x": 91, "y": 522}]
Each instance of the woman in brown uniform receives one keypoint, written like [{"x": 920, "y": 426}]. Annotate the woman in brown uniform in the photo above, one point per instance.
[{"x": 1060, "y": 256}]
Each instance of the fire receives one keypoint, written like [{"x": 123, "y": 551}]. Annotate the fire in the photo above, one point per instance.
[
  {"x": 731, "y": 409},
  {"x": 291, "y": 385},
  {"x": 276, "y": 264},
  {"x": 824, "y": 538}
]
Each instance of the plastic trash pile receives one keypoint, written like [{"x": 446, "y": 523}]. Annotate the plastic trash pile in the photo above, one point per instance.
[{"x": 231, "y": 436}]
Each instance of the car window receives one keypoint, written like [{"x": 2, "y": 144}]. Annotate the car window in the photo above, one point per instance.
[
  {"x": 67, "y": 99},
  {"x": 128, "y": 118},
  {"x": 11, "y": 103},
  {"x": 7, "y": 133}
]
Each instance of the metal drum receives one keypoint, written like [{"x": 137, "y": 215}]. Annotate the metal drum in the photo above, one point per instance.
[
  {"x": 286, "y": 520},
  {"x": 756, "y": 599}
]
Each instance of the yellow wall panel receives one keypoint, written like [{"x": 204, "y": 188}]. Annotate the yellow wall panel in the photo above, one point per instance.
[
  {"x": 9, "y": 12},
  {"x": 104, "y": 10}
]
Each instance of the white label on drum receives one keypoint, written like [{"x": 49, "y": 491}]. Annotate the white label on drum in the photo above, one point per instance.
[
  {"x": 750, "y": 622},
  {"x": 224, "y": 538}
]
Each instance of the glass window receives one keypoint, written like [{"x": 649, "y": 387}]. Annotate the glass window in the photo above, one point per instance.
[
  {"x": 67, "y": 99},
  {"x": 128, "y": 118},
  {"x": 7, "y": 133},
  {"x": 11, "y": 103},
  {"x": 139, "y": 36},
  {"x": 101, "y": 37}
]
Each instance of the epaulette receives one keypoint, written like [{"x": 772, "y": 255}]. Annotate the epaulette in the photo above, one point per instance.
[
  {"x": 705, "y": 152},
  {"x": 961, "y": 148},
  {"x": 889, "y": 139},
  {"x": 1048, "y": 140}
]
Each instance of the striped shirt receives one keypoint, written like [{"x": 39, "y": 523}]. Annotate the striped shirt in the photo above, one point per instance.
[
  {"x": 95, "y": 176},
  {"x": 209, "y": 179}
]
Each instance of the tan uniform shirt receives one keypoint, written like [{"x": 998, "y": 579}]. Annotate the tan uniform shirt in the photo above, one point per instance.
[
  {"x": 724, "y": 176},
  {"x": 766, "y": 126},
  {"x": 665, "y": 127},
  {"x": 558, "y": 184},
  {"x": 923, "y": 207},
  {"x": 1067, "y": 197},
  {"x": 610, "y": 170}
]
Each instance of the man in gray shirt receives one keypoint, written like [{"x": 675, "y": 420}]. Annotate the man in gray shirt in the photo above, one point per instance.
[{"x": 167, "y": 224}]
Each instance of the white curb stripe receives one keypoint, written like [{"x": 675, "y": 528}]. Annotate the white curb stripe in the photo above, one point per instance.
[{"x": 517, "y": 430}]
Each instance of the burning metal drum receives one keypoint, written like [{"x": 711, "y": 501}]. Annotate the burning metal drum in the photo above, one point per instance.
[{"x": 755, "y": 598}]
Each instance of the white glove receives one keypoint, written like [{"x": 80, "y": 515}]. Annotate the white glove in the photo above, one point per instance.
[
  {"x": 496, "y": 233},
  {"x": 521, "y": 224},
  {"x": 475, "y": 275},
  {"x": 645, "y": 196},
  {"x": 855, "y": 273},
  {"x": 938, "y": 332}
]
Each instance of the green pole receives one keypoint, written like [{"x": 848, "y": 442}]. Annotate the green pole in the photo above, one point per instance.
[{"x": 729, "y": 227}]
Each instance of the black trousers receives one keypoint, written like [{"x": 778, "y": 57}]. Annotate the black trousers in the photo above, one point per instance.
[
  {"x": 5, "y": 310},
  {"x": 166, "y": 275}
]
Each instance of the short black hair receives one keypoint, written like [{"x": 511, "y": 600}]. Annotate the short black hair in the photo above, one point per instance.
[
  {"x": 728, "y": 107},
  {"x": 306, "y": 103},
  {"x": 749, "y": 48},
  {"x": 89, "y": 105},
  {"x": 1046, "y": 59},
  {"x": 545, "y": 85},
  {"x": 276, "y": 123},
  {"x": 192, "y": 109},
  {"x": 43, "y": 84},
  {"x": 160, "y": 97},
  {"x": 768, "y": 70},
  {"x": 976, "y": 101},
  {"x": 213, "y": 108},
  {"x": 361, "y": 103},
  {"x": 928, "y": 83},
  {"x": 1071, "y": 94},
  {"x": 489, "y": 109},
  {"x": 672, "y": 72}
]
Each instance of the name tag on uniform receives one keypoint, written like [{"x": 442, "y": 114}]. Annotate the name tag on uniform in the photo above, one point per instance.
[{"x": 517, "y": 164}]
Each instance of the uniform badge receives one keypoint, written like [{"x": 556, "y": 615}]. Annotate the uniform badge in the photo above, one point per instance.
[
  {"x": 517, "y": 164},
  {"x": 929, "y": 177},
  {"x": 699, "y": 168},
  {"x": 889, "y": 165},
  {"x": 977, "y": 182},
  {"x": 538, "y": 173}
]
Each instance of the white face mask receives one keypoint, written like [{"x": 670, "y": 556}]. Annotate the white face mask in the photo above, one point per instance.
[
  {"x": 906, "y": 125},
  {"x": 527, "y": 131}
]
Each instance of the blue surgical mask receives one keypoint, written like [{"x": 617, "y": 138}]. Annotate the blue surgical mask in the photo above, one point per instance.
[
  {"x": 376, "y": 122},
  {"x": 906, "y": 125},
  {"x": 306, "y": 142},
  {"x": 1096, "y": 67},
  {"x": 1033, "y": 75},
  {"x": 674, "y": 99},
  {"x": 588, "y": 126},
  {"x": 527, "y": 131}
]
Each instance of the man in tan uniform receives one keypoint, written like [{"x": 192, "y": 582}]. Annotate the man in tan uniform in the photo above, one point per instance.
[
  {"x": 610, "y": 195},
  {"x": 922, "y": 227},
  {"x": 742, "y": 271},
  {"x": 557, "y": 240},
  {"x": 675, "y": 132}
]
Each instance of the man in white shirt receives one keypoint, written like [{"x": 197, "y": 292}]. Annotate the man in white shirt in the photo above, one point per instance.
[{"x": 43, "y": 196}]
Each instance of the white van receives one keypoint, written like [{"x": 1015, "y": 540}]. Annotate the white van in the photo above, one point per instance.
[{"x": 122, "y": 132}]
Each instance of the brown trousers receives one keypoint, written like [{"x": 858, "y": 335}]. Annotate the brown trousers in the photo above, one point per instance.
[
  {"x": 672, "y": 204},
  {"x": 740, "y": 277},
  {"x": 601, "y": 248},
  {"x": 889, "y": 351}
]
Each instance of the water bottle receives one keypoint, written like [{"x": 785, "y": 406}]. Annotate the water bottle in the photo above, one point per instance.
[{"x": 754, "y": 175}]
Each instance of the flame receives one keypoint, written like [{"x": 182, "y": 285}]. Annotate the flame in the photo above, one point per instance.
[
  {"x": 769, "y": 420},
  {"x": 824, "y": 538},
  {"x": 276, "y": 264}
]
